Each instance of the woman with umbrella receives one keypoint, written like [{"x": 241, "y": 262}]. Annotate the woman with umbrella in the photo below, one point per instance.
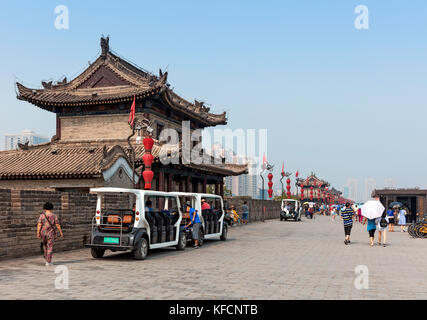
[
  {"x": 371, "y": 229},
  {"x": 372, "y": 210},
  {"x": 391, "y": 214}
]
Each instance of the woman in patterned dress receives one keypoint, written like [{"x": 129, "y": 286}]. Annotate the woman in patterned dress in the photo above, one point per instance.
[{"x": 46, "y": 231}]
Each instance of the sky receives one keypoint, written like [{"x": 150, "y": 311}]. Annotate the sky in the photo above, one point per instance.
[{"x": 347, "y": 104}]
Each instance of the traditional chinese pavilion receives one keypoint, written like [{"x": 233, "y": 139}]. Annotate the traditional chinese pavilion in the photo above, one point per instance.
[
  {"x": 317, "y": 190},
  {"x": 90, "y": 148}
]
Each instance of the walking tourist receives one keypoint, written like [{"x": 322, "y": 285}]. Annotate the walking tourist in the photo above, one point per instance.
[
  {"x": 371, "y": 227},
  {"x": 390, "y": 216},
  {"x": 347, "y": 216},
  {"x": 402, "y": 219},
  {"x": 382, "y": 224},
  {"x": 195, "y": 221},
  {"x": 359, "y": 215},
  {"x": 355, "y": 209},
  {"x": 46, "y": 231},
  {"x": 245, "y": 210}
]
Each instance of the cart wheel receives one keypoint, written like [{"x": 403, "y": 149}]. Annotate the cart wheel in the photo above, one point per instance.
[
  {"x": 182, "y": 242},
  {"x": 224, "y": 233},
  {"x": 97, "y": 253},
  {"x": 201, "y": 237},
  {"x": 141, "y": 250}
]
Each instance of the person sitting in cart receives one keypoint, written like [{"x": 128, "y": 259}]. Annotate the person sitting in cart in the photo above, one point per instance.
[
  {"x": 148, "y": 217},
  {"x": 195, "y": 221},
  {"x": 205, "y": 205}
]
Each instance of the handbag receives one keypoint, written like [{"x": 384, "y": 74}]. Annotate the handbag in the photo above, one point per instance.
[{"x": 383, "y": 223}]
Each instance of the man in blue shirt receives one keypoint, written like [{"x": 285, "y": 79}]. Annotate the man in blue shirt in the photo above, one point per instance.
[
  {"x": 390, "y": 214},
  {"x": 347, "y": 216},
  {"x": 195, "y": 221}
]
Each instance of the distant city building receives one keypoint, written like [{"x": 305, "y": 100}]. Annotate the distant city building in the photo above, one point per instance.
[
  {"x": 245, "y": 184},
  {"x": 12, "y": 140},
  {"x": 346, "y": 192}
]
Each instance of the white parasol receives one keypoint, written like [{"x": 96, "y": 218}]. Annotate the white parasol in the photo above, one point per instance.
[{"x": 372, "y": 209}]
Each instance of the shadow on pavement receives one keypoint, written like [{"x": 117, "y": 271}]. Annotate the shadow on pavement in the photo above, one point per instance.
[{"x": 163, "y": 252}]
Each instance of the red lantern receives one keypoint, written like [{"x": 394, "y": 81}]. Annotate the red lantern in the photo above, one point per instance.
[
  {"x": 311, "y": 193},
  {"x": 302, "y": 191},
  {"x": 148, "y": 159},
  {"x": 288, "y": 187},
  {"x": 270, "y": 185},
  {"x": 148, "y": 177},
  {"x": 148, "y": 143}
]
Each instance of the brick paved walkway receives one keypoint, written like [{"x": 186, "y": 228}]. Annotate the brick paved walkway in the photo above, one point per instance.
[{"x": 271, "y": 260}]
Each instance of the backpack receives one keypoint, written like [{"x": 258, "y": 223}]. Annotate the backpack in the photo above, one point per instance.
[{"x": 383, "y": 222}]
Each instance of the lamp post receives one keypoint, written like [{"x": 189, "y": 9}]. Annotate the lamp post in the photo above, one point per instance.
[
  {"x": 266, "y": 166},
  {"x": 296, "y": 181},
  {"x": 281, "y": 179},
  {"x": 142, "y": 127},
  {"x": 302, "y": 191}
]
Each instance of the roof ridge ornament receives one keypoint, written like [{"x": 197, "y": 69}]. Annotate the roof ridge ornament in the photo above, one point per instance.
[{"x": 105, "y": 46}]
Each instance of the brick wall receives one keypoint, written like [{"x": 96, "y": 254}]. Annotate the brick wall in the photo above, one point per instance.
[
  {"x": 110, "y": 126},
  {"x": 256, "y": 207},
  {"x": 20, "y": 210},
  {"x": 95, "y": 127}
]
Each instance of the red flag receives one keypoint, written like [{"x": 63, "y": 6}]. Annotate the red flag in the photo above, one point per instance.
[
  {"x": 264, "y": 162},
  {"x": 283, "y": 168},
  {"x": 132, "y": 113}
]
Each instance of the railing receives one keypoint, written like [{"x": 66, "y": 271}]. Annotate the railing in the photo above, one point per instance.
[{"x": 112, "y": 224}]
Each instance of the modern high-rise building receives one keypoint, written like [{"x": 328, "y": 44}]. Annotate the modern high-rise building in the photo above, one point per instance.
[
  {"x": 12, "y": 140},
  {"x": 245, "y": 184}
]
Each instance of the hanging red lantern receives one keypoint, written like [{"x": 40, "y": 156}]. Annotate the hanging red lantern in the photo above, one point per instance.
[
  {"x": 148, "y": 143},
  {"x": 148, "y": 159},
  {"x": 288, "y": 187},
  {"x": 270, "y": 185},
  {"x": 311, "y": 193},
  {"x": 302, "y": 191}
]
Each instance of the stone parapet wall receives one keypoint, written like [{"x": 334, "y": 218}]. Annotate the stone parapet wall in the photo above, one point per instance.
[
  {"x": 258, "y": 209},
  {"x": 20, "y": 210}
]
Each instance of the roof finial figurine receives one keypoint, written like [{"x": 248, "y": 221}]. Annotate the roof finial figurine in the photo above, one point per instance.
[{"x": 105, "y": 47}]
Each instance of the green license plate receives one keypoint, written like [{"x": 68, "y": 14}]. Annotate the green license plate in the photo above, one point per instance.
[{"x": 111, "y": 240}]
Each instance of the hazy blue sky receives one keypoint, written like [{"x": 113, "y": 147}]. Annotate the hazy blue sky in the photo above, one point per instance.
[{"x": 345, "y": 103}]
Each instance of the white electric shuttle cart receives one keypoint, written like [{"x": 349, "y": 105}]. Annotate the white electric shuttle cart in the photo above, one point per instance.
[
  {"x": 158, "y": 225},
  {"x": 211, "y": 215}
]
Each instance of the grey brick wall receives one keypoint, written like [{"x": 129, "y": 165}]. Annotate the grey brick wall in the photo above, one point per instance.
[
  {"x": 256, "y": 207},
  {"x": 20, "y": 210}
]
